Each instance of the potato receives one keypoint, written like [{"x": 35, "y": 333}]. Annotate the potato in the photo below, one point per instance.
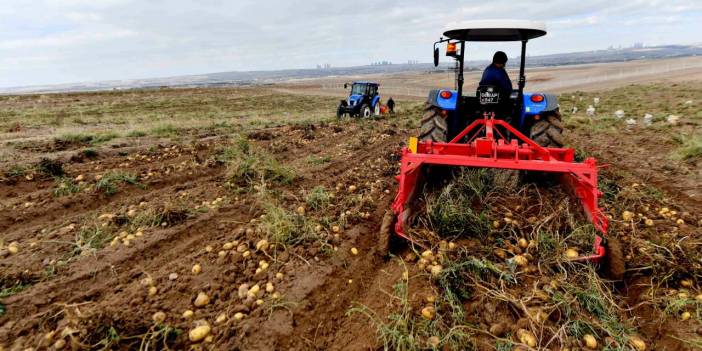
[
  {"x": 434, "y": 341},
  {"x": 201, "y": 300},
  {"x": 261, "y": 245},
  {"x": 523, "y": 243},
  {"x": 627, "y": 216},
  {"x": 590, "y": 341},
  {"x": 572, "y": 254},
  {"x": 279, "y": 275},
  {"x": 436, "y": 270},
  {"x": 685, "y": 316},
  {"x": 300, "y": 210},
  {"x": 254, "y": 290},
  {"x": 222, "y": 253},
  {"x": 238, "y": 316},
  {"x": 13, "y": 247},
  {"x": 269, "y": 287},
  {"x": 243, "y": 290},
  {"x": 152, "y": 291},
  {"x": 159, "y": 317},
  {"x": 686, "y": 283},
  {"x": 352, "y": 188},
  {"x": 648, "y": 222},
  {"x": 526, "y": 337},
  {"x": 221, "y": 318},
  {"x": 520, "y": 260},
  {"x": 188, "y": 314},
  {"x": 209, "y": 248},
  {"x": 228, "y": 246},
  {"x": 354, "y": 251},
  {"x": 196, "y": 269},
  {"x": 198, "y": 333},
  {"x": 637, "y": 344},
  {"x": 336, "y": 229},
  {"x": 429, "y": 312},
  {"x": 59, "y": 344}
]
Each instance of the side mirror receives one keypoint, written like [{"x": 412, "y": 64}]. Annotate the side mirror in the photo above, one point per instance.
[
  {"x": 346, "y": 85},
  {"x": 436, "y": 57}
]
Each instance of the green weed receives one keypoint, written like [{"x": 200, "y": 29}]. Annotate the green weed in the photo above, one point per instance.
[
  {"x": 318, "y": 198},
  {"x": 109, "y": 183},
  {"x": 65, "y": 186}
]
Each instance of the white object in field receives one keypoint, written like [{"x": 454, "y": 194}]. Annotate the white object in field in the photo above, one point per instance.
[
  {"x": 688, "y": 102},
  {"x": 590, "y": 111},
  {"x": 572, "y": 97},
  {"x": 619, "y": 114},
  {"x": 630, "y": 122},
  {"x": 673, "y": 119},
  {"x": 596, "y": 101},
  {"x": 575, "y": 109},
  {"x": 648, "y": 119}
]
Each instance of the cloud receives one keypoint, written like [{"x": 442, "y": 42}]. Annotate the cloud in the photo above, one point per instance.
[{"x": 53, "y": 41}]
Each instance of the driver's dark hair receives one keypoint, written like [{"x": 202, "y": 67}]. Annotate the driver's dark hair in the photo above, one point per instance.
[{"x": 499, "y": 57}]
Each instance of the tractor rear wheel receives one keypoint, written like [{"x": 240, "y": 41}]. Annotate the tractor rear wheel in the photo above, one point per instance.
[
  {"x": 434, "y": 126},
  {"x": 548, "y": 132}
]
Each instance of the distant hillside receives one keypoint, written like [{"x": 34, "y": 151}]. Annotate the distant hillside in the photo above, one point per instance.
[{"x": 268, "y": 77}]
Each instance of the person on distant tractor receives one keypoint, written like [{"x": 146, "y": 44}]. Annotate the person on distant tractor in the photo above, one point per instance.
[{"x": 496, "y": 75}]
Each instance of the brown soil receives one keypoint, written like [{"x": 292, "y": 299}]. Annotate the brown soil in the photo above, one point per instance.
[{"x": 99, "y": 298}]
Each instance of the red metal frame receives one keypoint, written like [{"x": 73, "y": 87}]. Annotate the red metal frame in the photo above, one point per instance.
[{"x": 488, "y": 152}]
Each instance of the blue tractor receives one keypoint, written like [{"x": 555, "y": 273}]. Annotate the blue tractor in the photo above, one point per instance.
[
  {"x": 449, "y": 111},
  {"x": 363, "y": 101}
]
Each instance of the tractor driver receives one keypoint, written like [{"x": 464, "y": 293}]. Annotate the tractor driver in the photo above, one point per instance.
[{"x": 496, "y": 75}]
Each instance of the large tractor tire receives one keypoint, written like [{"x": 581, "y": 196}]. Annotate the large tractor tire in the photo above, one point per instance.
[
  {"x": 548, "y": 132},
  {"x": 365, "y": 111},
  {"x": 614, "y": 265},
  {"x": 434, "y": 126}
]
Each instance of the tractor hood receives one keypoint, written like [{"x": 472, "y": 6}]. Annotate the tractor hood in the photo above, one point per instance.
[{"x": 355, "y": 99}]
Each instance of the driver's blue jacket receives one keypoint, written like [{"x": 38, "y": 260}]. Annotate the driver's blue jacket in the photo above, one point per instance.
[{"x": 496, "y": 76}]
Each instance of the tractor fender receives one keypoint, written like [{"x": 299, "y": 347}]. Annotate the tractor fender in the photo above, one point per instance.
[
  {"x": 530, "y": 109},
  {"x": 375, "y": 101},
  {"x": 435, "y": 99},
  {"x": 549, "y": 103}
]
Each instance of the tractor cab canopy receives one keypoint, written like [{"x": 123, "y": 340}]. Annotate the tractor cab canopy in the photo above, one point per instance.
[
  {"x": 489, "y": 30},
  {"x": 497, "y": 30},
  {"x": 364, "y": 88}
]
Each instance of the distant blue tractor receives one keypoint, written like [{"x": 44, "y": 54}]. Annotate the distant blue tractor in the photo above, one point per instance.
[{"x": 363, "y": 101}]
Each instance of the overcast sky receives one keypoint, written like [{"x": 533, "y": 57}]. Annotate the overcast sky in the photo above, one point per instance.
[{"x": 62, "y": 41}]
